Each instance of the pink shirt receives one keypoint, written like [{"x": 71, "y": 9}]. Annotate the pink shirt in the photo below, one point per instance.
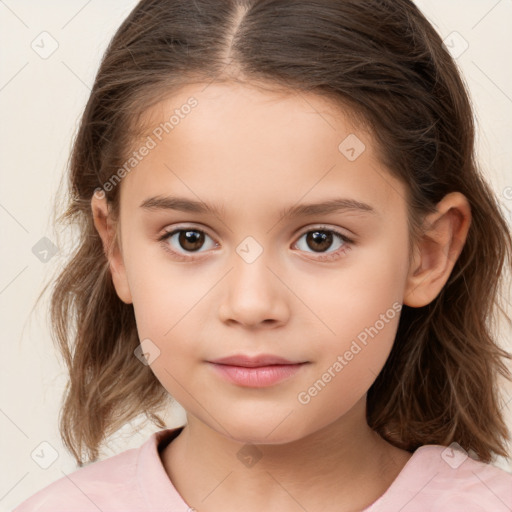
[{"x": 434, "y": 479}]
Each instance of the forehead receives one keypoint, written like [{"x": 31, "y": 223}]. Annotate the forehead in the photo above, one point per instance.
[
  {"x": 246, "y": 105},
  {"x": 243, "y": 145}
]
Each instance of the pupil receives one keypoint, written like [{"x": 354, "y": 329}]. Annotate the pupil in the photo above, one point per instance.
[
  {"x": 321, "y": 240},
  {"x": 191, "y": 240}
]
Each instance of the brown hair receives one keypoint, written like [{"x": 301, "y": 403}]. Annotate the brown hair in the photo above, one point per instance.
[{"x": 384, "y": 60}]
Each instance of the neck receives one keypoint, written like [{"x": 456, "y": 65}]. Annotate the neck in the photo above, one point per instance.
[{"x": 345, "y": 466}]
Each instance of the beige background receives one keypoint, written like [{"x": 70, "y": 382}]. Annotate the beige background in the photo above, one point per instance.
[{"x": 41, "y": 100}]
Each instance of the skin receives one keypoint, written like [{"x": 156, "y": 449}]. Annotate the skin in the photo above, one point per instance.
[{"x": 253, "y": 152}]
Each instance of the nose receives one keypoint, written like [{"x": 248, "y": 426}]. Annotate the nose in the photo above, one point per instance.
[{"x": 254, "y": 295}]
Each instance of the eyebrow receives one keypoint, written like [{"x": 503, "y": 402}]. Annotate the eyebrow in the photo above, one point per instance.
[{"x": 302, "y": 210}]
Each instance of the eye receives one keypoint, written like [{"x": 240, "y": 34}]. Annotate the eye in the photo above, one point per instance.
[
  {"x": 321, "y": 239},
  {"x": 189, "y": 240}
]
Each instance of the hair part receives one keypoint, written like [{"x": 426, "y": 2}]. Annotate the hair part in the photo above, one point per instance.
[{"x": 383, "y": 62}]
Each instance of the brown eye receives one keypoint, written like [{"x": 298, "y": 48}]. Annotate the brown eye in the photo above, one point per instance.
[
  {"x": 322, "y": 241},
  {"x": 319, "y": 241},
  {"x": 191, "y": 240},
  {"x": 184, "y": 241}
]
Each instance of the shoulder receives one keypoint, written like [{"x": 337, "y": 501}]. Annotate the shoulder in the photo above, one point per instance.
[
  {"x": 97, "y": 486},
  {"x": 456, "y": 482},
  {"x": 132, "y": 481},
  {"x": 445, "y": 479},
  {"x": 457, "y": 466}
]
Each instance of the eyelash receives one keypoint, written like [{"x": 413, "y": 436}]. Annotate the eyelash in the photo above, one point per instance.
[{"x": 328, "y": 256}]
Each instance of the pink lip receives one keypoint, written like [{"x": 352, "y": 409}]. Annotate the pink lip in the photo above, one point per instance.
[
  {"x": 259, "y": 371},
  {"x": 253, "y": 361}
]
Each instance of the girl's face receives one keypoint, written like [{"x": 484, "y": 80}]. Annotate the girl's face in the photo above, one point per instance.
[{"x": 319, "y": 286}]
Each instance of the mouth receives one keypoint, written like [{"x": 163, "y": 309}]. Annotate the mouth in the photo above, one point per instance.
[
  {"x": 256, "y": 371},
  {"x": 254, "y": 361}
]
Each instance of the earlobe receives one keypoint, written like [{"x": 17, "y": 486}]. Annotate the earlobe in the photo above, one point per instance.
[
  {"x": 107, "y": 232},
  {"x": 436, "y": 252}
]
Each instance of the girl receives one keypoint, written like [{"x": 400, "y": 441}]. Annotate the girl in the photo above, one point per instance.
[{"x": 282, "y": 227}]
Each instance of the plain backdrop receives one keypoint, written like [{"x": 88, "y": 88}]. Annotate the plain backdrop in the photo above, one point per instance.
[{"x": 42, "y": 96}]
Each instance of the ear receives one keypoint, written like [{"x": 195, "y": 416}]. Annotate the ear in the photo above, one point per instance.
[
  {"x": 107, "y": 231},
  {"x": 435, "y": 254}
]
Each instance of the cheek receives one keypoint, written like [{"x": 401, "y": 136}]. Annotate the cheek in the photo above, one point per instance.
[
  {"x": 359, "y": 307},
  {"x": 164, "y": 291},
  {"x": 348, "y": 362},
  {"x": 354, "y": 296},
  {"x": 164, "y": 303}
]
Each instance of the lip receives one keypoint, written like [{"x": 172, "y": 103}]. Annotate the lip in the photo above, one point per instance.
[
  {"x": 256, "y": 371},
  {"x": 254, "y": 361}
]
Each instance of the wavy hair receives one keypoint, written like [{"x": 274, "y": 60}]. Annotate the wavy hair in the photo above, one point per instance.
[{"x": 383, "y": 60}]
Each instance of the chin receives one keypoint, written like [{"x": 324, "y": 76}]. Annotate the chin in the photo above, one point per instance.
[{"x": 273, "y": 432}]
